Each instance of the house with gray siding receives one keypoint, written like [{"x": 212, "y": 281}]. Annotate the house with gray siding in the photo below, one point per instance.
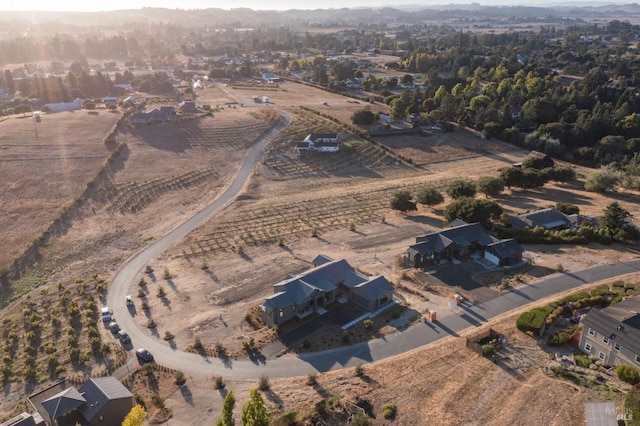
[
  {"x": 328, "y": 282},
  {"x": 612, "y": 334}
]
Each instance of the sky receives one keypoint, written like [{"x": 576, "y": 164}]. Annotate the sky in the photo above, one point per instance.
[{"x": 94, "y": 6}]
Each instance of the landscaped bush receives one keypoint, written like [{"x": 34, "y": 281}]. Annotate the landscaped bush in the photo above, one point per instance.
[
  {"x": 561, "y": 337},
  {"x": 600, "y": 290},
  {"x": 534, "y": 319},
  {"x": 628, "y": 374},
  {"x": 582, "y": 360}
]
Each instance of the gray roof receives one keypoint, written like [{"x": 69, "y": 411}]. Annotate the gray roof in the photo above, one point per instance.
[
  {"x": 619, "y": 322},
  {"x": 63, "y": 402},
  {"x": 506, "y": 248},
  {"x": 547, "y": 218},
  {"x": 462, "y": 235},
  {"x": 99, "y": 391},
  {"x": 376, "y": 288},
  {"x": 321, "y": 259},
  {"x": 323, "y": 278}
]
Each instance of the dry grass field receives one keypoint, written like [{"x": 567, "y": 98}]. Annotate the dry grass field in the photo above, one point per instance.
[
  {"x": 41, "y": 175},
  {"x": 166, "y": 173}
]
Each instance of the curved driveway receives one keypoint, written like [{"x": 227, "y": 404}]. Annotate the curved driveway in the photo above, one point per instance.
[
  {"x": 449, "y": 323},
  {"x": 121, "y": 284}
]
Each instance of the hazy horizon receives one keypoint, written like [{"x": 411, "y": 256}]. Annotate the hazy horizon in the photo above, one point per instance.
[{"x": 86, "y": 6}]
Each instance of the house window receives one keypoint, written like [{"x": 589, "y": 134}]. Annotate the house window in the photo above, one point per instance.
[
  {"x": 592, "y": 332},
  {"x": 601, "y": 356},
  {"x": 587, "y": 347},
  {"x": 617, "y": 347},
  {"x": 281, "y": 312},
  {"x": 637, "y": 359},
  {"x": 605, "y": 340}
]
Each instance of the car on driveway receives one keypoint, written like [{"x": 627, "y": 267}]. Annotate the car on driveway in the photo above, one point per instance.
[
  {"x": 114, "y": 327},
  {"x": 105, "y": 313},
  {"x": 124, "y": 337},
  {"x": 128, "y": 300},
  {"x": 144, "y": 356}
]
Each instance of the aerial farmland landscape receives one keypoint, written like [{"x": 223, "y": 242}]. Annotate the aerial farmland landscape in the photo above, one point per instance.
[{"x": 422, "y": 215}]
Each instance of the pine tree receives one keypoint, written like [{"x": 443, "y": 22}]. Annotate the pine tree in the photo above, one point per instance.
[
  {"x": 254, "y": 412},
  {"x": 227, "y": 410}
]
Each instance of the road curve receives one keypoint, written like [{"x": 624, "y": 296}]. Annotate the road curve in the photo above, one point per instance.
[
  {"x": 122, "y": 282},
  {"x": 449, "y": 323}
]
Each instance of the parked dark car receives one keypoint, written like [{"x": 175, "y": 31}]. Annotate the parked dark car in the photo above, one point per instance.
[
  {"x": 144, "y": 356},
  {"x": 114, "y": 327},
  {"x": 124, "y": 337}
]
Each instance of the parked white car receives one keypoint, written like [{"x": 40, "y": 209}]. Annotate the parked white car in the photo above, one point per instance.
[{"x": 105, "y": 313}]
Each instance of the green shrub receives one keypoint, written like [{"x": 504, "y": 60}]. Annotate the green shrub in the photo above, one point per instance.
[
  {"x": 582, "y": 360},
  {"x": 561, "y": 337},
  {"x": 523, "y": 322},
  {"x": 628, "y": 374},
  {"x": 389, "y": 410},
  {"x": 488, "y": 349}
]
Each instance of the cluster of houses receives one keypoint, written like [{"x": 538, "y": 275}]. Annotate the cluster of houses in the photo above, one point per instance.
[{"x": 100, "y": 401}]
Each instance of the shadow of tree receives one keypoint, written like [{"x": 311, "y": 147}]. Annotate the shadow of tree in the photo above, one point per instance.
[{"x": 186, "y": 394}]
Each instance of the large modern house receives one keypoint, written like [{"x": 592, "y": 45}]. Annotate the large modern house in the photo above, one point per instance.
[
  {"x": 328, "y": 282},
  {"x": 461, "y": 241},
  {"x": 100, "y": 401},
  {"x": 613, "y": 333}
]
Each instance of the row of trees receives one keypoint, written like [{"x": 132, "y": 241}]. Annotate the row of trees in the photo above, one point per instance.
[{"x": 612, "y": 226}]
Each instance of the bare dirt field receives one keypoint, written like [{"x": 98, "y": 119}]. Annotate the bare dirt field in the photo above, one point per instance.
[{"x": 167, "y": 173}]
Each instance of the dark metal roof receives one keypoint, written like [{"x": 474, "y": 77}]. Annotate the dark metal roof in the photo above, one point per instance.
[
  {"x": 547, "y": 218},
  {"x": 462, "y": 236},
  {"x": 323, "y": 278},
  {"x": 619, "y": 322},
  {"x": 506, "y": 248},
  {"x": 64, "y": 402},
  {"x": 98, "y": 392}
]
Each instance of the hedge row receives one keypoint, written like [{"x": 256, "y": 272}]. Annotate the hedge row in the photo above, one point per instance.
[
  {"x": 534, "y": 319},
  {"x": 539, "y": 235}
]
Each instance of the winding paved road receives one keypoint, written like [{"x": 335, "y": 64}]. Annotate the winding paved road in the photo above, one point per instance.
[
  {"x": 449, "y": 323},
  {"x": 122, "y": 282}
]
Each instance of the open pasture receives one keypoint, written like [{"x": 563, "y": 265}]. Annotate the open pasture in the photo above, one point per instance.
[{"x": 40, "y": 175}]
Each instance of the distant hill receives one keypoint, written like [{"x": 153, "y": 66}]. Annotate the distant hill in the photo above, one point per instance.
[{"x": 319, "y": 17}]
